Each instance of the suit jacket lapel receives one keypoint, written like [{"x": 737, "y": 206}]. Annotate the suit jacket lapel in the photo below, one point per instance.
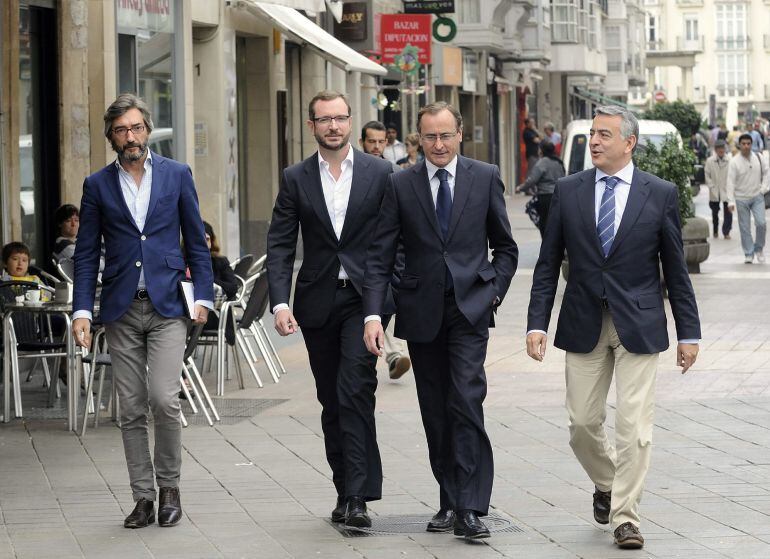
[
  {"x": 636, "y": 199},
  {"x": 314, "y": 190},
  {"x": 158, "y": 183},
  {"x": 421, "y": 185},
  {"x": 586, "y": 198},
  {"x": 359, "y": 190},
  {"x": 463, "y": 184},
  {"x": 117, "y": 193}
]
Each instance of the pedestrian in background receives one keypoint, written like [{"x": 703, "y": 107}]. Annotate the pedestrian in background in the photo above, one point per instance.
[
  {"x": 413, "y": 152},
  {"x": 547, "y": 171},
  {"x": 747, "y": 182},
  {"x": 715, "y": 172},
  {"x": 531, "y": 139},
  {"x": 620, "y": 227},
  {"x": 394, "y": 150},
  {"x": 553, "y": 136}
]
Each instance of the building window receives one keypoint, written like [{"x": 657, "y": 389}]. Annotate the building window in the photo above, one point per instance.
[
  {"x": 594, "y": 25},
  {"x": 652, "y": 33},
  {"x": 564, "y": 21},
  {"x": 731, "y": 26},
  {"x": 468, "y": 11},
  {"x": 583, "y": 22},
  {"x": 613, "y": 48},
  {"x": 733, "y": 74}
]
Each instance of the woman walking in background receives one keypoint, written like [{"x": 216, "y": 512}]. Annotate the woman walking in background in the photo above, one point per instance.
[{"x": 548, "y": 169}]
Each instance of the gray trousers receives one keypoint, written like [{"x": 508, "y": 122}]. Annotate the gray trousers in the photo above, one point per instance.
[{"x": 147, "y": 351}]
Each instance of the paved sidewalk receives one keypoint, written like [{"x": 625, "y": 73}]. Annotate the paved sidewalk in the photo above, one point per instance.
[{"x": 260, "y": 487}]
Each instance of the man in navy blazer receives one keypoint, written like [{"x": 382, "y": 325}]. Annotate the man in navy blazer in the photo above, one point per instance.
[
  {"x": 140, "y": 204},
  {"x": 447, "y": 211},
  {"x": 619, "y": 227}
]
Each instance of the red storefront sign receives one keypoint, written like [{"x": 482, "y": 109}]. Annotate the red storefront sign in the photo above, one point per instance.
[{"x": 399, "y": 30}]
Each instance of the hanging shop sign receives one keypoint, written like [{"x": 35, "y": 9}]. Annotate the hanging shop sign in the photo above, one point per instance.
[
  {"x": 397, "y": 31},
  {"x": 444, "y": 29},
  {"x": 352, "y": 26},
  {"x": 429, "y": 6},
  {"x": 150, "y": 15}
]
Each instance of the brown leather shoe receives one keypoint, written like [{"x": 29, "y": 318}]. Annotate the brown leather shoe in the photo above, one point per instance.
[
  {"x": 399, "y": 366},
  {"x": 627, "y": 536},
  {"x": 602, "y": 506}
]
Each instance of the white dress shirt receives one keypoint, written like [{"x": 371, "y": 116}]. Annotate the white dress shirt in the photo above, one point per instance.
[
  {"x": 622, "y": 190},
  {"x": 336, "y": 195}
]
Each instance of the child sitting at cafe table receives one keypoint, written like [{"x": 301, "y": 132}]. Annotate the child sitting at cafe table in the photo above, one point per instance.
[{"x": 16, "y": 265}]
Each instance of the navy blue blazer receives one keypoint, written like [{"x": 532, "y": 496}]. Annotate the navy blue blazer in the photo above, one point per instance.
[
  {"x": 173, "y": 209},
  {"x": 649, "y": 239}
]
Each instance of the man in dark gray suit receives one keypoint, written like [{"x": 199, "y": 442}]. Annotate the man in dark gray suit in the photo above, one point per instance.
[
  {"x": 620, "y": 227},
  {"x": 448, "y": 210},
  {"x": 334, "y": 196}
]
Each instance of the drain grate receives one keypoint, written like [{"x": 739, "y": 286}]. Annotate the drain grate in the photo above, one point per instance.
[
  {"x": 231, "y": 410},
  {"x": 415, "y": 524}
]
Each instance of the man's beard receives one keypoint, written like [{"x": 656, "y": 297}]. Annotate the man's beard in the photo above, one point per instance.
[
  {"x": 123, "y": 156},
  {"x": 323, "y": 144}
]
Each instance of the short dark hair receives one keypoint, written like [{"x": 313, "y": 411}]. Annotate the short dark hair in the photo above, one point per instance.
[
  {"x": 64, "y": 212},
  {"x": 325, "y": 95},
  {"x": 372, "y": 125},
  {"x": 745, "y": 137},
  {"x": 209, "y": 230},
  {"x": 120, "y": 106},
  {"x": 547, "y": 148},
  {"x": 14, "y": 247},
  {"x": 437, "y": 107}
]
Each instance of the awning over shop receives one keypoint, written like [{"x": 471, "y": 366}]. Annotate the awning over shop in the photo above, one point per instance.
[{"x": 304, "y": 31}]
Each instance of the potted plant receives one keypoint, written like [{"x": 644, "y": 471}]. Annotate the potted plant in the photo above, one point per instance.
[{"x": 674, "y": 164}]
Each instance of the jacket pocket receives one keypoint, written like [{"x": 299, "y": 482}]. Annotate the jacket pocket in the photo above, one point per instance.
[
  {"x": 176, "y": 263},
  {"x": 409, "y": 282},
  {"x": 307, "y": 275},
  {"x": 487, "y": 273},
  {"x": 649, "y": 300}
]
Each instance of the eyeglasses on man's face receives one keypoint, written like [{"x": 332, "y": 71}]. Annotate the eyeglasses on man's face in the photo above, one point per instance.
[
  {"x": 432, "y": 138},
  {"x": 122, "y": 131},
  {"x": 327, "y": 120}
]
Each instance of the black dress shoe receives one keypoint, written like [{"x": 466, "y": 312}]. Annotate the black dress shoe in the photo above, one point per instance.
[
  {"x": 142, "y": 515},
  {"x": 338, "y": 514},
  {"x": 442, "y": 521},
  {"x": 356, "y": 516},
  {"x": 169, "y": 507},
  {"x": 468, "y": 525},
  {"x": 602, "y": 501}
]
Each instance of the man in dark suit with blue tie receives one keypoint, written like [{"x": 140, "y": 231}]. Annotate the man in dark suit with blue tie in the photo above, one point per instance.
[
  {"x": 140, "y": 205},
  {"x": 619, "y": 227},
  {"x": 448, "y": 211}
]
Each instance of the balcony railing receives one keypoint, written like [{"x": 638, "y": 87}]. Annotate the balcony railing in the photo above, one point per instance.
[
  {"x": 738, "y": 90},
  {"x": 684, "y": 44},
  {"x": 733, "y": 43},
  {"x": 655, "y": 45}
]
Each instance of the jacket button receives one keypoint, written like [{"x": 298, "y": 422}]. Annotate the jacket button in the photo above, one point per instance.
[
  {"x": 138, "y": 264},
  {"x": 143, "y": 237}
]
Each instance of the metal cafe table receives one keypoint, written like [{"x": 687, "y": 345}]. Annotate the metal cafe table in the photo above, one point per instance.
[{"x": 73, "y": 383}]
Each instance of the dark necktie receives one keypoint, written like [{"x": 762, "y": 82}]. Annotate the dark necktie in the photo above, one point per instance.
[
  {"x": 443, "y": 201},
  {"x": 605, "y": 225}
]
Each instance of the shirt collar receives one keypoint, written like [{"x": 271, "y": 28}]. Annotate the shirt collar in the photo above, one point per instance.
[
  {"x": 451, "y": 167},
  {"x": 147, "y": 162},
  {"x": 349, "y": 158},
  {"x": 626, "y": 174}
]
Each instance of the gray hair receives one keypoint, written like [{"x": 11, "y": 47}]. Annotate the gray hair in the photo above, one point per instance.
[
  {"x": 120, "y": 106},
  {"x": 629, "y": 126},
  {"x": 549, "y": 125}
]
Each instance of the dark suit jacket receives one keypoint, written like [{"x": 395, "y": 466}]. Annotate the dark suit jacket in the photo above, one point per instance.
[
  {"x": 649, "y": 237},
  {"x": 173, "y": 208},
  {"x": 301, "y": 203},
  {"x": 478, "y": 221}
]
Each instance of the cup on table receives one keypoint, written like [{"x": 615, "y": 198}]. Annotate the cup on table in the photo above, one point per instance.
[
  {"x": 33, "y": 295},
  {"x": 20, "y": 299}
]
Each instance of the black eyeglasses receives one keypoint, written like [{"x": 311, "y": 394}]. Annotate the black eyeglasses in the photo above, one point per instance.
[
  {"x": 122, "y": 131},
  {"x": 326, "y": 120}
]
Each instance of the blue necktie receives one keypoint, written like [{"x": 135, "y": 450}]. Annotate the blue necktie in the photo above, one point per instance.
[
  {"x": 443, "y": 201},
  {"x": 605, "y": 226}
]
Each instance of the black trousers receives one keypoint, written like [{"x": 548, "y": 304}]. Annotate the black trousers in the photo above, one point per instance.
[
  {"x": 727, "y": 221},
  {"x": 346, "y": 379},
  {"x": 543, "y": 206},
  {"x": 451, "y": 387}
]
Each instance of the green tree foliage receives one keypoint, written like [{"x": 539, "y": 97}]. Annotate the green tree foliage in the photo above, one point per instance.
[
  {"x": 672, "y": 163},
  {"x": 683, "y": 115}
]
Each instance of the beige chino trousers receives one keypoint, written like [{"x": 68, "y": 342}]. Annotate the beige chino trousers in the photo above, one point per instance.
[{"x": 622, "y": 467}]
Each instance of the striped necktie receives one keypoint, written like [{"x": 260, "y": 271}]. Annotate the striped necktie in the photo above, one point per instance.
[{"x": 605, "y": 226}]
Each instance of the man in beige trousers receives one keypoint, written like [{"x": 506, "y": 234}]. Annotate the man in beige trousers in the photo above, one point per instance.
[{"x": 620, "y": 227}]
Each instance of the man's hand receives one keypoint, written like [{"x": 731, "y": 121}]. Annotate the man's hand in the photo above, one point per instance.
[
  {"x": 81, "y": 332},
  {"x": 536, "y": 342},
  {"x": 686, "y": 354},
  {"x": 285, "y": 323},
  {"x": 201, "y": 314},
  {"x": 374, "y": 337}
]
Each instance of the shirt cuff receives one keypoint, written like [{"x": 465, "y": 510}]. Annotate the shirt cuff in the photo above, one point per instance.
[
  {"x": 372, "y": 317},
  {"x": 696, "y": 342},
  {"x": 205, "y": 303},
  {"x": 538, "y": 331},
  {"x": 280, "y": 307},
  {"x": 83, "y": 314}
]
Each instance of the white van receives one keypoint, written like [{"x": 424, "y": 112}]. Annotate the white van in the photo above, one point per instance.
[{"x": 577, "y": 156}]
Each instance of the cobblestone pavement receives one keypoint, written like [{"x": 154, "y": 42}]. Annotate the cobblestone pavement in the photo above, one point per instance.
[{"x": 259, "y": 487}]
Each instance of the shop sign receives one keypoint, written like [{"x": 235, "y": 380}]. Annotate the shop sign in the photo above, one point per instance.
[
  {"x": 447, "y": 65},
  {"x": 429, "y": 6},
  {"x": 149, "y": 15},
  {"x": 399, "y": 30},
  {"x": 352, "y": 26}
]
